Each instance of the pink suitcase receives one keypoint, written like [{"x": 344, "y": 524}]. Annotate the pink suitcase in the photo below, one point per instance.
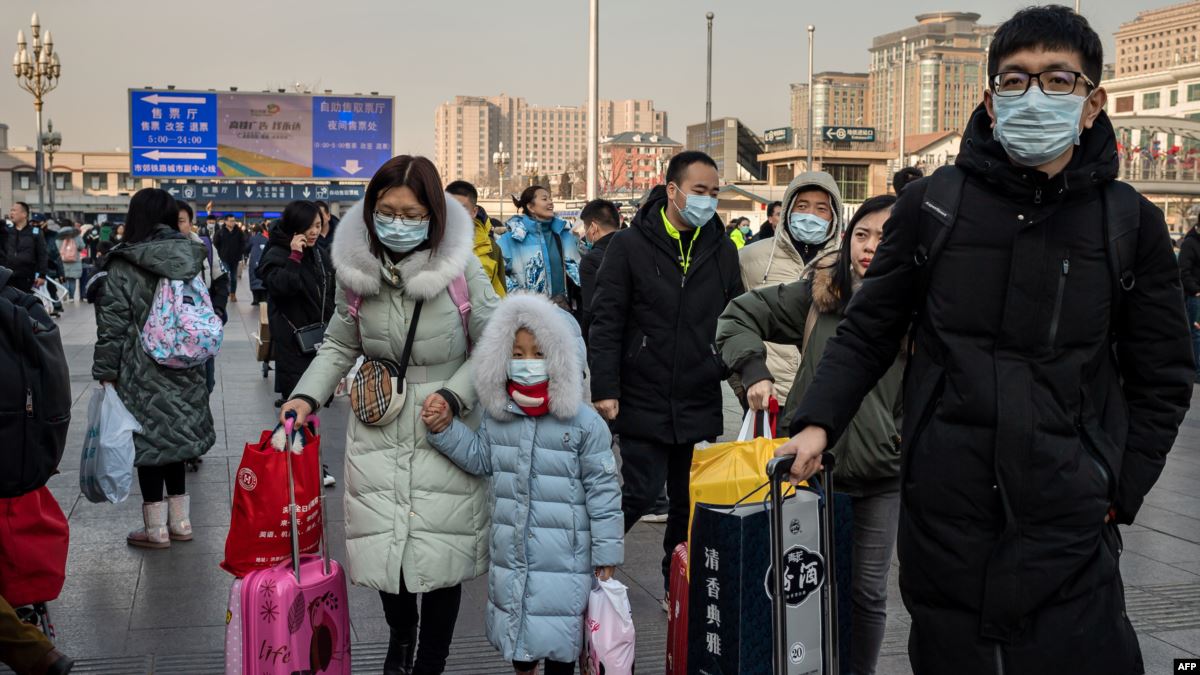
[{"x": 291, "y": 619}]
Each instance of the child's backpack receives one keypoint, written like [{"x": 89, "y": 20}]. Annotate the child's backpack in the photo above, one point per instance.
[
  {"x": 182, "y": 329},
  {"x": 68, "y": 250}
]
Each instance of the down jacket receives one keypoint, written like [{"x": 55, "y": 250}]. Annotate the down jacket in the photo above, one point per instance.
[
  {"x": 556, "y": 504},
  {"x": 1032, "y": 405},
  {"x": 171, "y": 404},
  {"x": 408, "y": 508},
  {"x": 775, "y": 260}
]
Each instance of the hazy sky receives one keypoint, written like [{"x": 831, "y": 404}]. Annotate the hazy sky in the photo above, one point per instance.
[{"x": 426, "y": 52}]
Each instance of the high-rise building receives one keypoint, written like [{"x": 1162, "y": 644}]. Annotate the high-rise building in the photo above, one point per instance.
[
  {"x": 733, "y": 146},
  {"x": 1158, "y": 39},
  {"x": 946, "y": 74},
  {"x": 541, "y": 140},
  {"x": 634, "y": 161},
  {"x": 840, "y": 99}
]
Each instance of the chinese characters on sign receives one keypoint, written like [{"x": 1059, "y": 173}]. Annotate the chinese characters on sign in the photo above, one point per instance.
[{"x": 712, "y": 612}]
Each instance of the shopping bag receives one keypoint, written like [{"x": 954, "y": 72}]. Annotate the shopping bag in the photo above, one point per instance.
[
  {"x": 259, "y": 531},
  {"x": 106, "y": 463},
  {"x": 610, "y": 633},
  {"x": 34, "y": 537}
]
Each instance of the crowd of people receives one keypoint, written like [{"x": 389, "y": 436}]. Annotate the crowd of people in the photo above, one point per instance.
[{"x": 997, "y": 355}]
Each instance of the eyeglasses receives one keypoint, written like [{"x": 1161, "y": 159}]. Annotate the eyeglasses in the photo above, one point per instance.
[
  {"x": 1052, "y": 82},
  {"x": 391, "y": 218}
]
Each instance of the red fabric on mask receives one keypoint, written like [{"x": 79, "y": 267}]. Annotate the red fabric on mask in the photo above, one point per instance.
[{"x": 522, "y": 392}]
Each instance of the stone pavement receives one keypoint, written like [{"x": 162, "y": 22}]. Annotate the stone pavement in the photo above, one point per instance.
[{"x": 128, "y": 611}]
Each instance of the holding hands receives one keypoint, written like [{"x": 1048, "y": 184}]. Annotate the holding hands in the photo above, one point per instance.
[{"x": 436, "y": 413}]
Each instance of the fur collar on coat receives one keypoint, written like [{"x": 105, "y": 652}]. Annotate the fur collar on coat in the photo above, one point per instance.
[
  {"x": 425, "y": 274},
  {"x": 558, "y": 341}
]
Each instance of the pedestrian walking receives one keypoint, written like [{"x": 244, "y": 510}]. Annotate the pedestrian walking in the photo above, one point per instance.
[
  {"x": 256, "y": 246},
  {"x": 655, "y": 367},
  {"x": 486, "y": 248},
  {"x": 601, "y": 220},
  {"x": 768, "y": 228},
  {"x": 550, "y": 538},
  {"x": 71, "y": 249},
  {"x": 416, "y": 523},
  {"x": 737, "y": 231},
  {"x": 170, "y": 404},
  {"x": 301, "y": 293},
  {"x": 1049, "y": 370},
  {"x": 329, "y": 224},
  {"x": 230, "y": 242},
  {"x": 804, "y": 315},
  {"x": 25, "y": 250},
  {"x": 904, "y": 177},
  {"x": 541, "y": 253},
  {"x": 1189, "y": 275}
]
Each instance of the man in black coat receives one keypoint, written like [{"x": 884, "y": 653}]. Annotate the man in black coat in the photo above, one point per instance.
[
  {"x": 601, "y": 220},
  {"x": 655, "y": 369},
  {"x": 1189, "y": 274},
  {"x": 230, "y": 242},
  {"x": 25, "y": 251},
  {"x": 1041, "y": 397}
]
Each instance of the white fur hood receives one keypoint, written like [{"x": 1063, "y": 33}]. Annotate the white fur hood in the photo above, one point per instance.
[
  {"x": 425, "y": 274},
  {"x": 557, "y": 336}
]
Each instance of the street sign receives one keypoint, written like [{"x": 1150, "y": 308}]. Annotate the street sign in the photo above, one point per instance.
[
  {"x": 267, "y": 193},
  {"x": 783, "y": 135},
  {"x": 184, "y": 134},
  {"x": 848, "y": 134}
]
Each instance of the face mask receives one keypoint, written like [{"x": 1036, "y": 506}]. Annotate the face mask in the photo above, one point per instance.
[
  {"x": 699, "y": 210},
  {"x": 807, "y": 228},
  {"x": 527, "y": 371},
  {"x": 402, "y": 235},
  {"x": 745, "y": 229},
  {"x": 1035, "y": 128}
]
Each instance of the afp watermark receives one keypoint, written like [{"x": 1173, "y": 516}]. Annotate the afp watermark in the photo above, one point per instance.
[{"x": 1187, "y": 666}]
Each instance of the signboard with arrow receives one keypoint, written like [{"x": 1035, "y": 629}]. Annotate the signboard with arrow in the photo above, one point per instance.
[
  {"x": 261, "y": 193},
  {"x": 185, "y": 134},
  {"x": 848, "y": 134}
]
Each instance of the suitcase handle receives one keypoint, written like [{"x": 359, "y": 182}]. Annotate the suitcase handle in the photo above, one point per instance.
[
  {"x": 778, "y": 468},
  {"x": 289, "y": 423}
]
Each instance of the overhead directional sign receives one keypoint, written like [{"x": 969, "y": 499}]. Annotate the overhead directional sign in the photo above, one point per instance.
[
  {"x": 782, "y": 135},
  {"x": 182, "y": 134},
  {"x": 264, "y": 192},
  {"x": 848, "y": 134}
]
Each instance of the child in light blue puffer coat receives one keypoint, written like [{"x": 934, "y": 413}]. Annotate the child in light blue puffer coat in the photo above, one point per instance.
[{"x": 556, "y": 504}]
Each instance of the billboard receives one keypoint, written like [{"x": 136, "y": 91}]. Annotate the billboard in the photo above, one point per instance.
[
  {"x": 783, "y": 135},
  {"x": 848, "y": 134},
  {"x": 184, "y": 134}
]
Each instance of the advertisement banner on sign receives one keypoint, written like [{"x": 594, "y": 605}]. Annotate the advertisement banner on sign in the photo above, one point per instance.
[{"x": 184, "y": 134}]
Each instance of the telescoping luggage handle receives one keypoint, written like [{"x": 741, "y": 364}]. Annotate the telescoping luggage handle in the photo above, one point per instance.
[
  {"x": 778, "y": 470},
  {"x": 292, "y": 508}
]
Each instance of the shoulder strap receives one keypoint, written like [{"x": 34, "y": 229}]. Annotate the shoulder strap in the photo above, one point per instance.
[
  {"x": 406, "y": 355},
  {"x": 1122, "y": 211},
  {"x": 942, "y": 199},
  {"x": 353, "y": 302},
  {"x": 460, "y": 295}
]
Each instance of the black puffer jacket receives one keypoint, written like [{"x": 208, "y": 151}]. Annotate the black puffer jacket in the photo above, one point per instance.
[
  {"x": 589, "y": 269},
  {"x": 1022, "y": 424},
  {"x": 294, "y": 296},
  {"x": 1189, "y": 263},
  {"x": 652, "y": 338}
]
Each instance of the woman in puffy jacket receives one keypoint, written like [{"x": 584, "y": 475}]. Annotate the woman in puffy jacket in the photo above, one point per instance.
[{"x": 415, "y": 522}]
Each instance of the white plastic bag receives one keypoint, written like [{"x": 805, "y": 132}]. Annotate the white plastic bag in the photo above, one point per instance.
[
  {"x": 610, "y": 635},
  {"x": 106, "y": 466}
]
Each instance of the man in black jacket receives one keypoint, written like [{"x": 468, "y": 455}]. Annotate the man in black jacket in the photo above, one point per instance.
[
  {"x": 601, "y": 220},
  {"x": 1189, "y": 274},
  {"x": 655, "y": 369},
  {"x": 25, "y": 250},
  {"x": 230, "y": 243},
  {"x": 1044, "y": 390}
]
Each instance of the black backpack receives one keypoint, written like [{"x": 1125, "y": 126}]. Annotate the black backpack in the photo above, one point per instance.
[{"x": 35, "y": 399}]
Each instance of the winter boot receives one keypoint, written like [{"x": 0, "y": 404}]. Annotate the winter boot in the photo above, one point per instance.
[
  {"x": 154, "y": 534},
  {"x": 402, "y": 652},
  {"x": 179, "y": 523}
]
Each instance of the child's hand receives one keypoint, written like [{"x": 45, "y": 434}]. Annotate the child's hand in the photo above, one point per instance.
[
  {"x": 436, "y": 414},
  {"x": 605, "y": 573}
]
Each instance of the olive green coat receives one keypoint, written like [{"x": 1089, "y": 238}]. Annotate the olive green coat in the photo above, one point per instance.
[{"x": 171, "y": 404}]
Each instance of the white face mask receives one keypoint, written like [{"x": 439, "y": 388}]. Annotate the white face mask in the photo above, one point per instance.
[
  {"x": 1036, "y": 128},
  {"x": 527, "y": 371}
]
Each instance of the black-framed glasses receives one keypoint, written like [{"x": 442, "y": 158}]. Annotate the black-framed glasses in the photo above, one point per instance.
[
  {"x": 1051, "y": 82},
  {"x": 391, "y": 218}
]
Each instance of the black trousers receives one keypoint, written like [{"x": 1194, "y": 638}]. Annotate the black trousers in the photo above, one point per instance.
[
  {"x": 645, "y": 466},
  {"x": 552, "y": 667},
  {"x": 439, "y": 613},
  {"x": 152, "y": 478}
]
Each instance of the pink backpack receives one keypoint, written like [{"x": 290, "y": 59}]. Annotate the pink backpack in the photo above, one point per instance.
[
  {"x": 182, "y": 330},
  {"x": 460, "y": 295}
]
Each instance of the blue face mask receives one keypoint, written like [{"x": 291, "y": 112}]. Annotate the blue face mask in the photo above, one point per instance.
[
  {"x": 401, "y": 235},
  {"x": 807, "y": 228},
  {"x": 1035, "y": 128},
  {"x": 699, "y": 209},
  {"x": 527, "y": 371}
]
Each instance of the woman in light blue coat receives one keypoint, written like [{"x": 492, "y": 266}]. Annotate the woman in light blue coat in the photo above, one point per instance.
[
  {"x": 556, "y": 504},
  {"x": 541, "y": 253}
]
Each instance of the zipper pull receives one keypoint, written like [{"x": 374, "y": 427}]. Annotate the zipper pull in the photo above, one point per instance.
[
  {"x": 1037, "y": 196},
  {"x": 28, "y": 402},
  {"x": 644, "y": 338},
  {"x": 1066, "y": 266}
]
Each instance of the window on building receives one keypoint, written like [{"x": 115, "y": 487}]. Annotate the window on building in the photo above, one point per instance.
[
  {"x": 62, "y": 180},
  {"x": 95, "y": 181},
  {"x": 1124, "y": 104},
  {"x": 23, "y": 180},
  {"x": 852, "y": 181},
  {"x": 126, "y": 181},
  {"x": 1174, "y": 97},
  {"x": 1193, "y": 92},
  {"x": 1150, "y": 100}
]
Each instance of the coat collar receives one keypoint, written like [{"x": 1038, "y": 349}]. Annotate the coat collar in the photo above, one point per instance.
[{"x": 424, "y": 273}]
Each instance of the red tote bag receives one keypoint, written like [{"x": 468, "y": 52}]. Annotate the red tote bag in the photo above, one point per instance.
[
  {"x": 34, "y": 537},
  {"x": 259, "y": 531}
]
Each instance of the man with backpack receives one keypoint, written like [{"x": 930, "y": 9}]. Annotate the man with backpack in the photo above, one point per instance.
[
  {"x": 25, "y": 251},
  {"x": 1049, "y": 370}
]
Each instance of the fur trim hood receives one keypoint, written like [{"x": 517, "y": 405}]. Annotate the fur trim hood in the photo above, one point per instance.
[
  {"x": 558, "y": 339},
  {"x": 425, "y": 274},
  {"x": 824, "y": 294}
]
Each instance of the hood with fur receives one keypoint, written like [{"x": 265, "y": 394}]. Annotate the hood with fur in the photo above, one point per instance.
[
  {"x": 824, "y": 293},
  {"x": 425, "y": 273},
  {"x": 556, "y": 336}
]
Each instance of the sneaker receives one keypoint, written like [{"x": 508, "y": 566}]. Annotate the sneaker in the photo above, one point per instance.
[
  {"x": 327, "y": 478},
  {"x": 654, "y": 518},
  {"x": 665, "y": 604}
]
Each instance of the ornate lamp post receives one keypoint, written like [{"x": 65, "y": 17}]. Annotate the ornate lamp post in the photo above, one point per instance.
[
  {"x": 37, "y": 72},
  {"x": 51, "y": 142},
  {"x": 531, "y": 169},
  {"x": 500, "y": 159}
]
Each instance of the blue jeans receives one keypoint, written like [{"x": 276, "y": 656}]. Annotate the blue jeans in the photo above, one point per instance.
[
  {"x": 1193, "y": 312},
  {"x": 876, "y": 518}
]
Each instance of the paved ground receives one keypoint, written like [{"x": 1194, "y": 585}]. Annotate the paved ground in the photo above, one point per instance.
[{"x": 129, "y": 611}]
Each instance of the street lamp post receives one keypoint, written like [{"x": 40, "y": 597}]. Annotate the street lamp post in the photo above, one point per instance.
[
  {"x": 500, "y": 159},
  {"x": 593, "y": 121},
  {"x": 903, "y": 93},
  {"x": 811, "y": 129},
  {"x": 531, "y": 168},
  {"x": 51, "y": 141},
  {"x": 37, "y": 73},
  {"x": 708, "y": 96}
]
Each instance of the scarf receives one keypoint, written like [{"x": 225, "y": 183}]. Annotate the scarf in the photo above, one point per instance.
[{"x": 534, "y": 399}]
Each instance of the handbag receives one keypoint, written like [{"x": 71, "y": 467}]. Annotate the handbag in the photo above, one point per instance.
[
  {"x": 309, "y": 338},
  {"x": 379, "y": 389}
]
